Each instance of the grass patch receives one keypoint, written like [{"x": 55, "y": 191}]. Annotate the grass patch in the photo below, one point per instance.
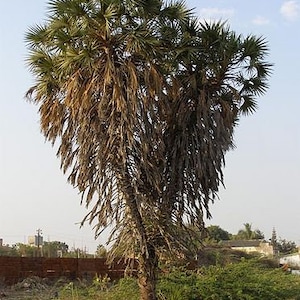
[{"x": 246, "y": 280}]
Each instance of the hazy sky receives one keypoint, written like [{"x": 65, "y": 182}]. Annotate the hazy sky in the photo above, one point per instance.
[{"x": 262, "y": 174}]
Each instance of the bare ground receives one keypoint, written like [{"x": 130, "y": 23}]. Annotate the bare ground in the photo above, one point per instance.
[{"x": 33, "y": 288}]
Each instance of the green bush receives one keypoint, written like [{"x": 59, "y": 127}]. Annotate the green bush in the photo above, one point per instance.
[
  {"x": 126, "y": 288},
  {"x": 178, "y": 285},
  {"x": 247, "y": 280}
]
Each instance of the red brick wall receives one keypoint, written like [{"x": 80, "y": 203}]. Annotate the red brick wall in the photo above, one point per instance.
[{"x": 14, "y": 269}]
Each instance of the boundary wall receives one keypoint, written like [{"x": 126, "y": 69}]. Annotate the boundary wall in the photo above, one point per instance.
[{"x": 14, "y": 269}]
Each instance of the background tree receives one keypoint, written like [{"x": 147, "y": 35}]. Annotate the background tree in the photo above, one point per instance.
[
  {"x": 7, "y": 250},
  {"x": 79, "y": 253},
  {"x": 274, "y": 242},
  {"x": 142, "y": 101},
  {"x": 55, "y": 249},
  {"x": 101, "y": 251},
  {"x": 274, "y": 238},
  {"x": 216, "y": 233},
  {"x": 282, "y": 246},
  {"x": 248, "y": 233},
  {"x": 26, "y": 250},
  {"x": 286, "y": 247}
]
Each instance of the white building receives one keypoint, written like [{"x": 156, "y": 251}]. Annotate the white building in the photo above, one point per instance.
[{"x": 292, "y": 260}]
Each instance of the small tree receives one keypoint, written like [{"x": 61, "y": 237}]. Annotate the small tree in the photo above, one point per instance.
[
  {"x": 282, "y": 246},
  {"x": 26, "y": 250},
  {"x": 274, "y": 242},
  {"x": 142, "y": 101},
  {"x": 52, "y": 249},
  {"x": 101, "y": 251},
  {"x": 7, "y": 250},
  {"x": 216, "y": 233},
  {"x": 274, "y": 238},
  {"x": 286, "y": 247}
]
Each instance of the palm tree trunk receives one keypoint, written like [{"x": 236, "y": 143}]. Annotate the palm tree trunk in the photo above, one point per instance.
[
  {"x": 147, "y": 274},
  {"x": 147, "y": 259}
]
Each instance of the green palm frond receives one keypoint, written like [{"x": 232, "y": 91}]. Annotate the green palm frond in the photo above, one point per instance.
[
  {"x": 255, "y": 47},
  {"x": 177, "y": 10},
  {"x": 249, "y": 105},
  {"x": 74, "y": 8},
  {"x": 263, "y": 69}
]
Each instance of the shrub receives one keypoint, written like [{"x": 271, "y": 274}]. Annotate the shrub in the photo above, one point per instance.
[
  {"x": 247, "y": 280},
  {"x": 252, "y": 279},
  {"x": 126, "y": 288}
]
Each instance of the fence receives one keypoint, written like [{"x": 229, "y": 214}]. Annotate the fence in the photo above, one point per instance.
[{"x": 14, "y": 269}]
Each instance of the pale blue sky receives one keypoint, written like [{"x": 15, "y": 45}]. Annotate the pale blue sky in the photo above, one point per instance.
[{"x": 262, "y": 174}]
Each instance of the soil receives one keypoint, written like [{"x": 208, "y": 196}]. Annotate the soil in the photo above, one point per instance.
[
  {"x": 25, "y": 295},
  {"x": 33, "y": 288}
]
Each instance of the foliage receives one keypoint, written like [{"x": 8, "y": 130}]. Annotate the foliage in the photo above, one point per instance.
[
  {"x": 55, "y": 249},
  {"x": 78, "y": 252},
  {"x": 72, "y": 292},
  {"x": 282, "y": 246},
  {"x": 126, "y": 288},
  {"x": 247, "y": 280},
  {"x": 216, "y": 233},
  {"x": 286, "y": 247},
  {"x": 248, "y": 233},
  {"x": 101, "y": 283},
  {"x": 27, "y": 250},
  {"x": 123, "y": 93},
  {"x": 178, "y": 285},
  {"x": 243, "y": 281},
  {"x": 48, "y": 249},
  {"x": 274, "y": 238},
  {"x": 218, "y": 256},
  {"x": 101, "y": 251},
  {"x": 6, "y": 250}
]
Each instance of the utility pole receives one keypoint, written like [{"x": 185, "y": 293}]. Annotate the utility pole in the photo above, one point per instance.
[{"x": 39, "y": 241}]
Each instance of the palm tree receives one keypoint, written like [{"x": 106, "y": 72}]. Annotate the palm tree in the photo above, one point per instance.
[
  {"x": 142, "y": 101},
  {"x": 249, "y": 234}
]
